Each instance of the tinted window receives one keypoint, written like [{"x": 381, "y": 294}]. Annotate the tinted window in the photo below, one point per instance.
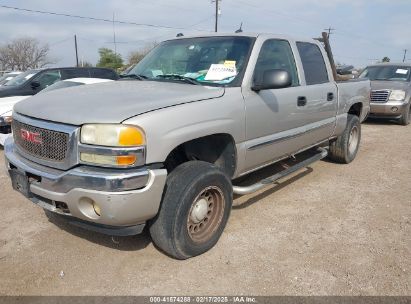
[
  {"x": 312, "y": 59},
  {"x": 103, "y": 73},
  {"x": 276, "y": 54},
  {"x": 75, "y": 73},
  {"x": 48, "y": 78}
]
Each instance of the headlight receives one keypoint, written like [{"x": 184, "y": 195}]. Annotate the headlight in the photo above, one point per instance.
[
  {"x": 112, "y": 145},
  {"x": 6, "y": 118},
  {"x": 112, "y": 135},
  {"x": 397, "y": 95}
]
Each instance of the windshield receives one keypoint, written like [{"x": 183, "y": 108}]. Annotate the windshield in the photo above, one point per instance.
[
  {"x": 207, "y": 60},
  {"x": 388, "y": 73},
  {"x": 61, "y": 85},
  {"x": 21, "y": 78}
]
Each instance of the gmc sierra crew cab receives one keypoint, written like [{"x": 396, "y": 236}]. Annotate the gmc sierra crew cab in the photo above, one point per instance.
[{"x": 162, "y": 146}]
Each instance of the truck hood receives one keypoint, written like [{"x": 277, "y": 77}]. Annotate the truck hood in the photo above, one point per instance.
[
  {"x": 390, "y": 85},
  {"x": 112, "y": 102}
]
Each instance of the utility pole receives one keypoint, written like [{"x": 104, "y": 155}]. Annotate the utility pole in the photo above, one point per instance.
[
  {"x": 405, "y": 55},
  {"x": 329, "y": 30},
  {"x": 114, "y": 36},
  {"x": 217, "y": 12},
  {"x": 75, "y": 46}
]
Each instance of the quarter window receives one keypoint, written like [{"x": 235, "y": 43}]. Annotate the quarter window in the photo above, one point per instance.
[{"x": 312, "y": 59}]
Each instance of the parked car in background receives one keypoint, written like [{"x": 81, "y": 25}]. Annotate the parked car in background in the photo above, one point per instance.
[
  {"x": 33, "y": 81},
  {"x": 7, "y": 103},
  {"x": 391, "y": 91},
  {"x": 8, "y": 76},
  {"x": 162, "y": 147}
]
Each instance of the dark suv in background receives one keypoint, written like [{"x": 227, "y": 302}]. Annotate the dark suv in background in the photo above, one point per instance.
[{"x": 33, "y": 81}]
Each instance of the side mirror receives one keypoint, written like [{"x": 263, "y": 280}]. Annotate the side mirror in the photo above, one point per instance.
[
  {"x": 35, "y": 85},
  {"x": 273, "y": 79}
]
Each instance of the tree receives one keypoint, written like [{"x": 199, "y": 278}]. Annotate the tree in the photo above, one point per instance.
[
  {"x": 386, "y": 59},
  {"x": 136, "y": 56},
  {"x": 23, "y": 54},
  {"x": 109, "y": 59},
  {"x": 85, "y": 64}
]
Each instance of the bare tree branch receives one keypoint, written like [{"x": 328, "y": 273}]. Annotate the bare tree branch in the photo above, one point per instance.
[{"x": 23, "y": 54}]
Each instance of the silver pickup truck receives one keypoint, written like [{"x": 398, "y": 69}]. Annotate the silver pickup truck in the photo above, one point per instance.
[{"x": 162, "y": 146}]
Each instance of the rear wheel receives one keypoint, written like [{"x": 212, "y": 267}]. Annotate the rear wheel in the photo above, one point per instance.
[
  {"x": 344, "y": 149},
  {"x": 406, "y": 116},
  {"x": 195, "y": 209}
]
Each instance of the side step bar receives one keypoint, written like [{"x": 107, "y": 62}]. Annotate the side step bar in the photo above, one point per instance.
[{"x": 322, "y": 153}]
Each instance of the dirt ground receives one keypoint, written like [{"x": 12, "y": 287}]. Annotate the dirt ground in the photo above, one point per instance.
[{"x": 329, "y": 230}]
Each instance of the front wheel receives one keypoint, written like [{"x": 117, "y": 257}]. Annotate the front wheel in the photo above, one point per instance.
[
  {"x": 195, "y": 209},
  {"x": 344, "y": 149}
]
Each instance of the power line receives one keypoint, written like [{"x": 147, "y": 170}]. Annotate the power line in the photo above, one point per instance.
[
  {"x": 100, "y": 19},
  {"x": 302, "y": 20},
  {"x": 405, "y": 55}
]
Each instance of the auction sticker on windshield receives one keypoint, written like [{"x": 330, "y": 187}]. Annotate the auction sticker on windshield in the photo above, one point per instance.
[
  {"x": 402, "y": 71},
  {"x": 220, "y": 72}
]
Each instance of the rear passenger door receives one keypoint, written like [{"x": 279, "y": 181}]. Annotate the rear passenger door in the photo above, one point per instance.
[{"x": 320, "y": 93}]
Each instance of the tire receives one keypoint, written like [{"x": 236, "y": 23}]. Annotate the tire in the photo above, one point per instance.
[
  {"x": 406, "y": 116},
  {"x": 344, "y": 149},
  {"x": 195, "y": 208}
]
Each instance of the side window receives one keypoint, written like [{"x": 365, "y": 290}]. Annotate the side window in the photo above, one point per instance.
[
  {"x": 48, "y": 78},
  {"x": 103, "y": 73},
  {"x": 276, "y": 54},
  {"x": 312, "y": 59},
  {"x": 75, "y": 73}
]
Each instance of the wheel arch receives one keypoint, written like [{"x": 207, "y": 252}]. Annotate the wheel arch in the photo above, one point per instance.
[{"x": 217, "y": 148}]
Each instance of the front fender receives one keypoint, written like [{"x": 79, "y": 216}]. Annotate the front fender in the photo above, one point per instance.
[{"x": 170, "y": 127}]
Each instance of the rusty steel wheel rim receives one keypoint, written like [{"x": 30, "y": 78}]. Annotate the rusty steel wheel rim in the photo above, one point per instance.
[{"x": 206, "y": 214}]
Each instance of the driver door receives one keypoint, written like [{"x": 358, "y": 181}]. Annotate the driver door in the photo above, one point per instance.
[{"x": 274, "y": 118}]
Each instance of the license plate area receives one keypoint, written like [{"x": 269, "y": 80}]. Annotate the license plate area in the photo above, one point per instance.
[{"x": 20, "y": 182}]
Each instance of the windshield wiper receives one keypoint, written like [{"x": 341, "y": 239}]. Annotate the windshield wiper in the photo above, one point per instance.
[
  {"x": 179, "y": 77},
  {"x": 134, "y": 76}
]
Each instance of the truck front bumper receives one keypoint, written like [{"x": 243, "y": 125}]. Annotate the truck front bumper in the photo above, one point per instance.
[
  {"x": 111, "y": 201},
  {"x": 390, "y": 109}
]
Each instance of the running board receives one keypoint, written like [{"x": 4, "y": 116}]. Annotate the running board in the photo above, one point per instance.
[{"x": 321, "y": 153}]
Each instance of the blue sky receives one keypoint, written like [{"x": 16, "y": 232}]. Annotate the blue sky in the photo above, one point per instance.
[{"x": 365, "y": 30}]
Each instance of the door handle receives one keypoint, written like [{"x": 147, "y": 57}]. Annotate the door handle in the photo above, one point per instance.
[
  {"x": 330, "y": 96},
  {"x": 301, "y": 101}
]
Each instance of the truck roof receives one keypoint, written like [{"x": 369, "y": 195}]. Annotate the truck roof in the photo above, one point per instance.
[
  {"x": 248, "y": 34},
  {"x": 404, "y": 64}
]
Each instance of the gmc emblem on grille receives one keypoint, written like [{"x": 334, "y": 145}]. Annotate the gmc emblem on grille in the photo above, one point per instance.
[{"x": 32, "y": 137}]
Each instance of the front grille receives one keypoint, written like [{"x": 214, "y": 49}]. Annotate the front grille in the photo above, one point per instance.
[
  {"x": 45, "y": 144},
  {"x": 380, "y": 96}
]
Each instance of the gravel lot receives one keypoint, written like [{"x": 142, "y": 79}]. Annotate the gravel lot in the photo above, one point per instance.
[{"x": 329, "y": 230}]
